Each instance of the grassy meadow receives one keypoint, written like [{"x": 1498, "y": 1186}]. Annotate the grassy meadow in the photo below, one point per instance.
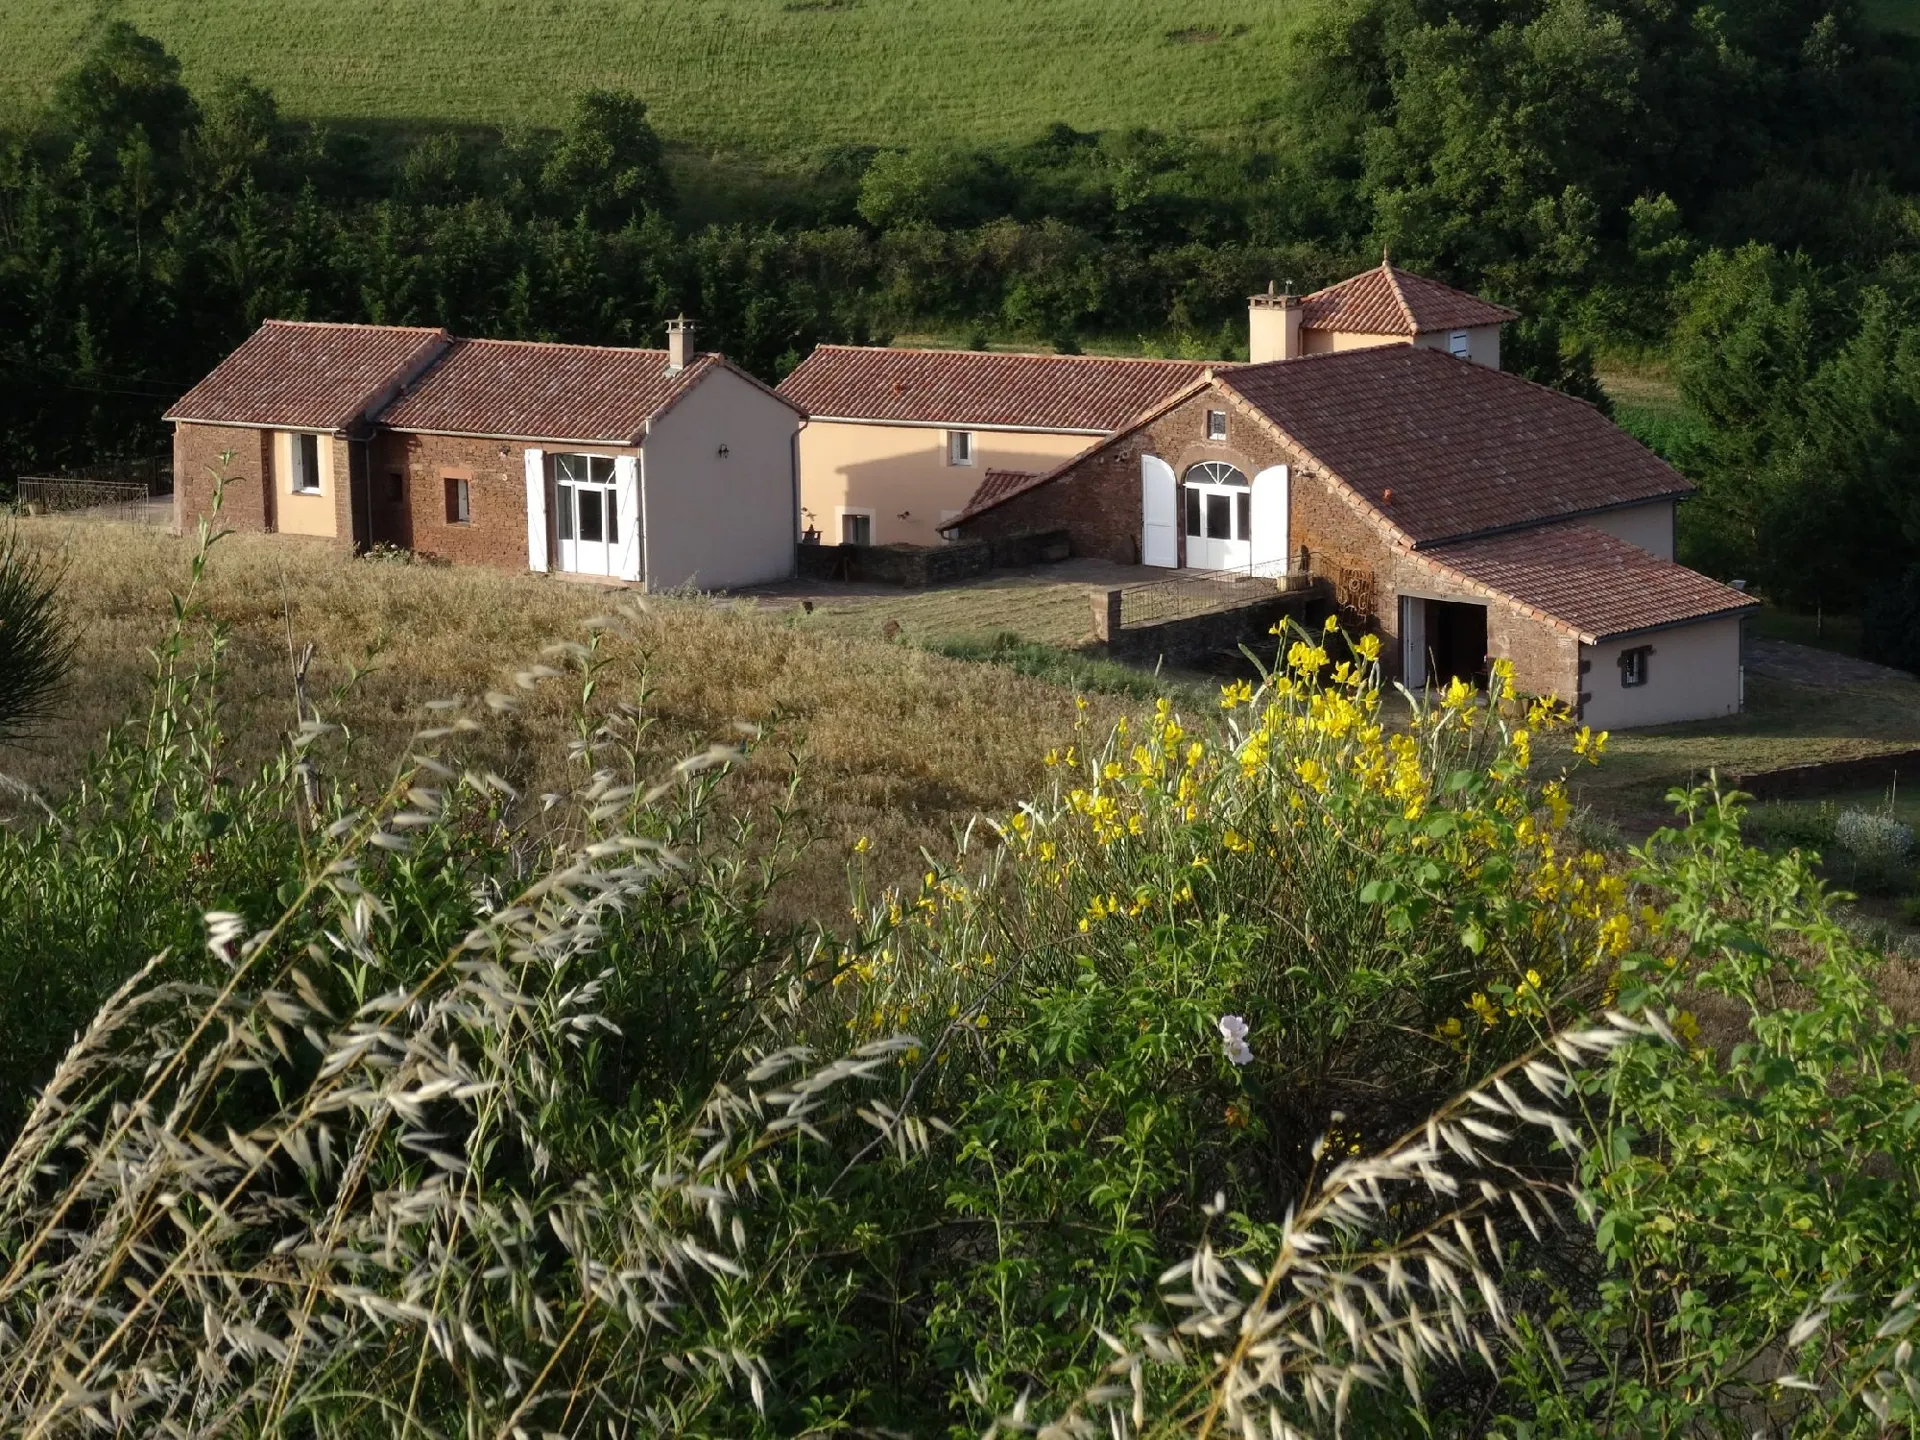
[
  {"x": 894, "y": 743},
  {"x": 770, "y": 76}
]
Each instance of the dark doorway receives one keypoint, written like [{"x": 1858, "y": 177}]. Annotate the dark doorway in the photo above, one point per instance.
[{"x": 1457, "y": 642}]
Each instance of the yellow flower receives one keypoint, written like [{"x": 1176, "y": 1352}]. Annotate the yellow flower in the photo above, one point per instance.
[
  {"x": 1488, "y": 1012},
  {"x": 1687, "y": 1028},
  {"x": 1333, "y": 624},
  {"x": 1234, "y": 841},
  {"x": 862, "y": 845},
  {"x": 1369, "y": 647}
]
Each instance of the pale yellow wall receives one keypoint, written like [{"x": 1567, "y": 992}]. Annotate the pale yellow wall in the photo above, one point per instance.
[
  {"x": 310, "y": 513},
  {"x": 1693, "y": 674},
  {"x": 1648, "y": 526},
  {"x": 1483, "y": 343},
  {"x": 1330, "y": 342},
  {"x": 888, "y": 469},
  {"x": 717, "y": 521}
]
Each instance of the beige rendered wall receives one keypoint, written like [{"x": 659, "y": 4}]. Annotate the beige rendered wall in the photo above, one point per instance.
[
  {"x": 1693, "y": 674},
  {"x": 1648, "y": 526},
  {"x": 310, "y": 513},
  {"x": 890, "y": 469},
  {"x": 1331, "y": 342},
  {"x": 715, "y": 521},
  {"x": 1483, "y": 343}
]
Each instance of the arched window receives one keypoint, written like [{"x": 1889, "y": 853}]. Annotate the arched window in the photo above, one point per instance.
[{"x": 1214, "y": 472}]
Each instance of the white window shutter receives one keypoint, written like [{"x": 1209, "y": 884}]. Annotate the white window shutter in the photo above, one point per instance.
[
  {"x": 1269, "y": 516},
  {"x": 537, "y": 510},
  {"x": 626, "y": 495},
  {"x": 1159, "y": 513}
]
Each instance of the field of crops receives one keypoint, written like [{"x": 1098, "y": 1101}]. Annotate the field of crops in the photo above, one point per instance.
[{"x": 763, "y": 75}]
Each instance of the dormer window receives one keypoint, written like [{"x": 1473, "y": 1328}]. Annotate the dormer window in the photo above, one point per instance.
[
  {"x": 1216, "y": 424},
  {"x": 1457, "y": 344}
]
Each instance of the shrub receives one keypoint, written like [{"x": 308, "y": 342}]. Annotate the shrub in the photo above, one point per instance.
[
  {"x": 1785, "y": 825},
  {"x": 1879, "y": 846},
  {"x": 36, "y": 647},
  {"x": 1890, "y": 623}
]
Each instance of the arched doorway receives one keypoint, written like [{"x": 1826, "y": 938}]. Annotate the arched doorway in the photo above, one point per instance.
[{"x": 1219, "y": 516}]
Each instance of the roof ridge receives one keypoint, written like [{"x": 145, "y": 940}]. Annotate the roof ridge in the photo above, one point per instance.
[
  {"x": 569, "y": 345},
  {"x": 1017, "y": 354},
  {"x": 358, "y": 325},
  {"x": 1400, "y": 295}
]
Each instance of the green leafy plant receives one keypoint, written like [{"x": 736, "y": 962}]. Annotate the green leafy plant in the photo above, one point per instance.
[{"x": 36, "y": 647}]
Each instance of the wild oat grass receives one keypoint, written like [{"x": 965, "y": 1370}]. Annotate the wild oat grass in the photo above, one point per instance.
[
  {"x": 1284, "y": 1076},
  {"x": 899, "y": 746}
]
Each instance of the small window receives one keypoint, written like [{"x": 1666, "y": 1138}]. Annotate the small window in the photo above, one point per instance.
[
  {"x": 305, "y": 454},
  {"x": 1245, "y": 502},
  {"x": 1457, "y": 344},
  {"x": 459, "y": 502},
  {"x": 1193, "y": 512},
  {"x": 396, "y": 488},
  {"x": 1633, "y": 666},
  {"x": 1216, "y": 424},
  {"x": 959, "y": 447},
  {"x": 856, "y": 529}
]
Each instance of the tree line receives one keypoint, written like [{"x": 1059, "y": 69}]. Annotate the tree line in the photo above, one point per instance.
[{"x": 1730, "y": 189}]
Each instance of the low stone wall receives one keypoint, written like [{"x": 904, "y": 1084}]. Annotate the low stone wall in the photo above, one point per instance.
[
  {"x": 917, "y": 566},
  {"x": 1195, "y": 639},
  {"x": 1811, "y": 782}
]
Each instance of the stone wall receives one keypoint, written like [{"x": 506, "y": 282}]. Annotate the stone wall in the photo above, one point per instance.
[
  {"x": 240, "y": 455},
  {"x": 917, "y": 566}
]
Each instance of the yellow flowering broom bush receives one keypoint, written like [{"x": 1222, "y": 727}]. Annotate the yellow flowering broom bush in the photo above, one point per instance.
[{"x": 1210, "y": 943}]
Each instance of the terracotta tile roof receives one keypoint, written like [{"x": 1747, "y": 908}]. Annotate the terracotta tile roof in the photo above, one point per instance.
[
  {"x": 996, "y": 486},
  {"x": 309, "y": 376},
  {"x": 1594, "y": 583},
  {"x": 525, "y": 389},
  {"x": 1442, "y": 449},
  {"x": 1092, "y": 394},
  {"x": 1390, "y": 301}
]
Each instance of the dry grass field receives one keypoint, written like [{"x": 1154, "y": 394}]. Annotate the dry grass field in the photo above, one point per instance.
[
  {"x": 770, "y": 76},
  {"x": 891, "y": 742}
]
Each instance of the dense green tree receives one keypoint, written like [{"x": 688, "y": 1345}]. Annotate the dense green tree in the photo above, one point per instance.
[{"x": 609, "y": 164}]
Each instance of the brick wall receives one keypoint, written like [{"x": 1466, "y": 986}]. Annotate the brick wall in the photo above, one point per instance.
[
  {"x": 197, "y": 459},
  {"x": 1097, "y": 501}
]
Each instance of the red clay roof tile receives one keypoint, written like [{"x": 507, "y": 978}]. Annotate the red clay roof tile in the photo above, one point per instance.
[
  {"x": 1092, "y": 394},
  {"x": 1599, "y": 585},
  {"x": 997, "y": 485},
  {"x": 525, "y": 389},
  {"x": 1464, "y": 449},
  {"x": 305, "y": 375},
  {"x": 1390, "y": 301}
]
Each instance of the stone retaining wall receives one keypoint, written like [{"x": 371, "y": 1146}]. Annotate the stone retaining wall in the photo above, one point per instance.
[{"x": 918, "y": 566}]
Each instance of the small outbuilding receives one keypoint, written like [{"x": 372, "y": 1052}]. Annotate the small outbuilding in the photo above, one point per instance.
[{"x": 655, "y": 468}]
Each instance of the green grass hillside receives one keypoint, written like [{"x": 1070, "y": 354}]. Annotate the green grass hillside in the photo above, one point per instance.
[{"x": 768, "y": 75}]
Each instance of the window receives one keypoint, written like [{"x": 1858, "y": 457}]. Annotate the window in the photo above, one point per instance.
[
  {"x": 583, "y": 469},
  {"x": 1633, "y": 666},
  {"x": 856, "y": 529},
  {"x": 459, "y": 502},
  {"x": 959, "y": 447},
  {"x": 1457, "y": 344},
  {"x": 1216, "y": 424},
  {"x": 1214, "y": 472},
  {"x": 396, "y": 488},
  {"x": 303, "y": 454}
]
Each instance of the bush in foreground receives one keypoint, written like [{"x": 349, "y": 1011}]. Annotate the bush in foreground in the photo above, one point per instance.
[{"x": 1262, "y": 1075}]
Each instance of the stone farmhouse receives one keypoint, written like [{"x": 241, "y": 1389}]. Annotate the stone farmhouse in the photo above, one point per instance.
[
  {"x": 1372, "y": 440},
  {"x": 658, "y": 468}
]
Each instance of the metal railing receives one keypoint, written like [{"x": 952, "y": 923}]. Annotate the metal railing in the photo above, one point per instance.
[
  {"x": 80, "y": 497},
  {"x": 1197, "y": 592}
]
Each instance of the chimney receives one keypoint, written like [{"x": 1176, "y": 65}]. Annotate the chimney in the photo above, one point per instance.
[
  {"x": 679, "y": 344},
  {"x": 1273, "y": 326}
]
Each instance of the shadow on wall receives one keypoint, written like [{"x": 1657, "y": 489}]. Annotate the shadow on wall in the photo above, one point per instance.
[{"x": 922, "y": 486}]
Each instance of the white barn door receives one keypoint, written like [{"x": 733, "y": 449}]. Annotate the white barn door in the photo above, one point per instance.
[
  {"x": 1269, "y": 538},
  {"x": 1159, "y": 513},
  {"x": 626, "y": 495},
  {"x": 536, "y": 510}
]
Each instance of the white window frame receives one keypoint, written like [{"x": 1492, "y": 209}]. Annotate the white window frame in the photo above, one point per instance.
[
  {"x": 959, "y": 447},
  {"x": 1216, "y": 424},
  {"x": 462, "y": 513},
  {"x": 1460, "y": 344},
  {"x": 302, "y": 480},
  {"x": 841, "y": 512},
  {"x": 947, "y": 517}
]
